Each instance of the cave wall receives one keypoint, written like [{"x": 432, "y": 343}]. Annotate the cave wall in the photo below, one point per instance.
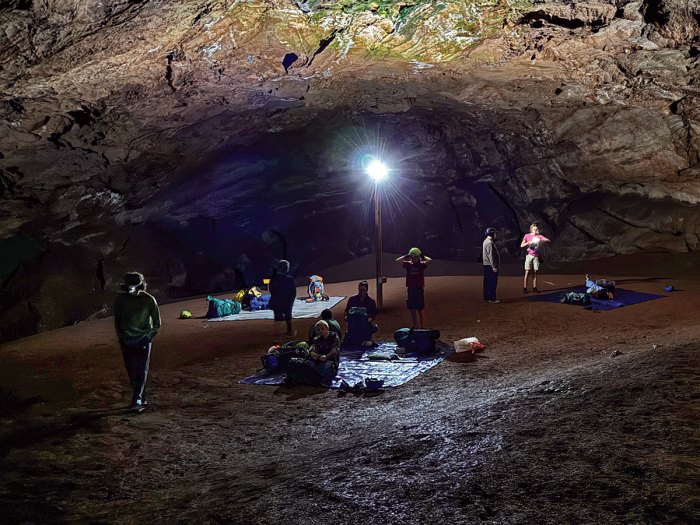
[{"x": 188, "y": 140}]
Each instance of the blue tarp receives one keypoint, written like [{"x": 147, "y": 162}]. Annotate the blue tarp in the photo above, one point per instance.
[
  {"x": 355, "y": 366},
  {"x": 622, "y": 298}
]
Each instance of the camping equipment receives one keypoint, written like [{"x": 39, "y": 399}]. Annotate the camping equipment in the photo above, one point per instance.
[
  {"x": 222, "y": 307},
  {"x": 419, "y": 340}
]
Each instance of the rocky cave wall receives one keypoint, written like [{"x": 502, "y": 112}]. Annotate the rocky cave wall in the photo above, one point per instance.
[{"x": 196, "y": 140}]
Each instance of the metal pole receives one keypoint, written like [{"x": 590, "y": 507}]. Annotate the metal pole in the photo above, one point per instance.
[{"x": 378, "y": 244}]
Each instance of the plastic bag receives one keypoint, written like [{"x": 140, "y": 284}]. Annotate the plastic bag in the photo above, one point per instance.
[{"x": 468, "y": 344}]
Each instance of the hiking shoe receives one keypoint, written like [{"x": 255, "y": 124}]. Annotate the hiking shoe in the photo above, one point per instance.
[
  {"x": 139, "y": 409},
  {"x": 535, "y": 290},
  {"x": 524, "y": 290},
  {"x": 495, "y": 301}
]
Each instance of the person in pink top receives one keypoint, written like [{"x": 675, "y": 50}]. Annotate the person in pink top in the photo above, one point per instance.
[{"x": 533, "y": 241}]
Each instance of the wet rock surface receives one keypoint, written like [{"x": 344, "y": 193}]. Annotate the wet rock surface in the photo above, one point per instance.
[{"x": 206, "y": 125}]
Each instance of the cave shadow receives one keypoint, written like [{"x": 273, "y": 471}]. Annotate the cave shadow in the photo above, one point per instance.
[
  {"x": 465, "y": 357},
  {"x": 23, "y": 435},
  {"x": 300, "y": 391}
]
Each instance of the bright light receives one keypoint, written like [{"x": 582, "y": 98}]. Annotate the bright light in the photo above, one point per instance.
[{"x": 377, "y": 170}]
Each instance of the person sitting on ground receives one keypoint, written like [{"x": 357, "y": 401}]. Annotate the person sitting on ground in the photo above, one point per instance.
[
  {"x": 322, "y": 364},
  {"x": 594, "y": 289},
  {"x": 333, "y": 325},
  {"x": 362, "y": 300},
  {"x": 360, "y": 313}
]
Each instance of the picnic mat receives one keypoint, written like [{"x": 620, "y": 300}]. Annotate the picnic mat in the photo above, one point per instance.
[
  {"x": 300, "y": 310},
  {"x": 355, "y": 366},
  {"x": 622, "y": 298}
]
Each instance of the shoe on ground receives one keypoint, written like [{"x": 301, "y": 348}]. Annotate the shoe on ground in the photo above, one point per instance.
[
  {"x": 535, "y": 290},
  {"x": 139, "y": 409},
  {"x": 524, "y": 290},
  {"x": 495, "y": 301}
]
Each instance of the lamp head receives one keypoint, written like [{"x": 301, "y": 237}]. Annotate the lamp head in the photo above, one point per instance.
[{"x": 377, "y": 170}]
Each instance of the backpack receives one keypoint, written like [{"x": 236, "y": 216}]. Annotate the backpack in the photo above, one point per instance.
[
  {"x": 278, "y": 357},
  {"x": 316, "y": 290},
  {"x": 260, "y": 303},
  {"x": 417, "y": 340},
  {"x": 359, "y": 327},
  {"x": 580, "y": 298}
]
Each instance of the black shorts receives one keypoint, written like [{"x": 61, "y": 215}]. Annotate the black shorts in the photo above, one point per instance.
[
  {"x": 283, "y": 315},
  {"x": 415, "y": 299}
]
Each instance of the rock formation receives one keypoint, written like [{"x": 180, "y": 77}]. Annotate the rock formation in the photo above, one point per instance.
[{"x": 173, "y": 137}]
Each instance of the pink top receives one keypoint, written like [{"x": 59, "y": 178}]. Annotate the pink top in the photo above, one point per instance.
[{"x": 533, "y": 249}]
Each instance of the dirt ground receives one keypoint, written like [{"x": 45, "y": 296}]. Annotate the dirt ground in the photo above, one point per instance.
[{"x": 547, "y": 425}]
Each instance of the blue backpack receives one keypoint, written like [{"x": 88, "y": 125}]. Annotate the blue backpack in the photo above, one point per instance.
[{"x": 260, "y": 303}]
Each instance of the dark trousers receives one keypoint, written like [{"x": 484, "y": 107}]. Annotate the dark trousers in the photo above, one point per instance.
[
  {"x": 137, "y": 357},
  {"x": 490, "y": 283}
]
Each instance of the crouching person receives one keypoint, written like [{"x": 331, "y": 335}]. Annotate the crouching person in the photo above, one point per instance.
[{"x": 322, "y": 364}]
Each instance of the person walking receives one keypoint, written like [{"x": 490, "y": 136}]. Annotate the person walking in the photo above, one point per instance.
[
  {"x": 137, "y": 321},
  {"x": 533, "y": 241},
  {"x": 491, "y": 262}
]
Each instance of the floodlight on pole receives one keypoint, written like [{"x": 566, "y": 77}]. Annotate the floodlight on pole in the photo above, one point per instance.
[{"x": 377, "y": 171}]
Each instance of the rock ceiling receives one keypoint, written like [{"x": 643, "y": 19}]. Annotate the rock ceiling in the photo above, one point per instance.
[{"x": 175, "y": 136}]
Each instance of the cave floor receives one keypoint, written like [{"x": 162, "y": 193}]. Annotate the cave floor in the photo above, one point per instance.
[{"x": 544, "y": 426}]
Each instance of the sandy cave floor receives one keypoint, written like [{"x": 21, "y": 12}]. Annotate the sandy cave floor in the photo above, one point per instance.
[{"x": 542, "y": 427}]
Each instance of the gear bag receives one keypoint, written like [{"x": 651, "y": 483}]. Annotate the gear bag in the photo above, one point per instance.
[
  {"x": 278, "y": 357},
  {"x": 417, "y": 340},
  {"x": 580, "y": 298}
]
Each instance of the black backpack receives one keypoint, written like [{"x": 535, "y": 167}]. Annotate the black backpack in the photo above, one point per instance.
[
  {"x": 278, "y": 359},
  {"x": 417, "y": 340}
]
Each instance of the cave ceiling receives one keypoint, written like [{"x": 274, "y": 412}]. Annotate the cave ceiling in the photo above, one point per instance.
[{"x": 208, "y": 123}]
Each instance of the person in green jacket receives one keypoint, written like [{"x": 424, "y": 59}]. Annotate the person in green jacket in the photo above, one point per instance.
[{"x": 137, "y": 321}]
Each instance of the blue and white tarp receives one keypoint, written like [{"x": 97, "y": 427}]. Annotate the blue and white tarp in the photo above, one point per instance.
[{"x": 355, "y": 366}]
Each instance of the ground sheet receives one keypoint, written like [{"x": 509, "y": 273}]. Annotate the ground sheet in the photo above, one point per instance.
[
  {"x": 622, "y": 298},
  {"x": 355, "y": 365},
  {"x": 301, "y": 310}
]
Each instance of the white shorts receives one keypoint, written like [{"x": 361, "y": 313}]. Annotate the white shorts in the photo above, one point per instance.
[{"x": 532, "y": 262}]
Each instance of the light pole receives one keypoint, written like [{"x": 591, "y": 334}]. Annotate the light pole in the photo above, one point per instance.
[{"x": 378, "y": 172}]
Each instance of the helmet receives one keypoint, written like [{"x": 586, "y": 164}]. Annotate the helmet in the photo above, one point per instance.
[
  {"x": 185, "y": 314},
  {"x": 415, "y": 251}
]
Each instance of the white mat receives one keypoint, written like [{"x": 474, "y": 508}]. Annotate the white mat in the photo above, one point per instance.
[{"x": 300, "y": 310}]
